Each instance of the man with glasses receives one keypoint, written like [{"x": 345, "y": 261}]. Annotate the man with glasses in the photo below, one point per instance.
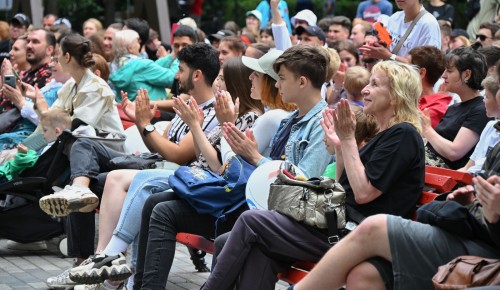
[{"x": 486, "y": 33}]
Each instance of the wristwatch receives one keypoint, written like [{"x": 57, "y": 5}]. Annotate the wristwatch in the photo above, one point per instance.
[
  {"x": 392, "y": 57},
  {"x": 148, "y": 129}
]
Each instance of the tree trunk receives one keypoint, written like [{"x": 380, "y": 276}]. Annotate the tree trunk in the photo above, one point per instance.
[{"x": 110, "y": 7}]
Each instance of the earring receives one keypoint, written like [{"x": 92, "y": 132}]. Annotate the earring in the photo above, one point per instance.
[{"x": 466, "y": 80}]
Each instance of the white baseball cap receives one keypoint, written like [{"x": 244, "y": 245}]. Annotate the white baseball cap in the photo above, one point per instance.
[
  {"x": 306, "y": 15},
  {"x": 255, "y": 13}
]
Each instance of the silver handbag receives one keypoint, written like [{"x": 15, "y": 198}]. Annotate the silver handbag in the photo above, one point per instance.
[{"x": 307, "y": 201}]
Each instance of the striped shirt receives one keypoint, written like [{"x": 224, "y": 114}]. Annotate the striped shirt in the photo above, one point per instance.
[{"x": 179, "y": 129}]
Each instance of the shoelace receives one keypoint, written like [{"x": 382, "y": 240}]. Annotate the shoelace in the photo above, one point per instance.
[{"x": 61, "y": 278}]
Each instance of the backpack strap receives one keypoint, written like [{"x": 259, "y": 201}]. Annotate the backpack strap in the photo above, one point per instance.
[
  {"x": 492, "y": 162},
  {"x": 408, "y": 31}
]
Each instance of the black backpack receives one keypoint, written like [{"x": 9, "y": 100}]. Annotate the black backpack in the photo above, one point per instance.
[{"x": 492, "y": 163}]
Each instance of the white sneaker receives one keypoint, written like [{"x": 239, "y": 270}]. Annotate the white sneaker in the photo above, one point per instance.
[
  {"x": 70, "y": 199},
  {"x": 101, "y": 268},
  {"x": 100, "y": 286},
  {"x": 34, "y": 246},
  {"x": 61, "y": 281}
]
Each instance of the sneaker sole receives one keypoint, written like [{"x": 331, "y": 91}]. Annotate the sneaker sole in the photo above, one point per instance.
[
  {"x": 60, "y": 206},
  {"x": 61, "y": 287},
  {"x": 95, "y": 276}
]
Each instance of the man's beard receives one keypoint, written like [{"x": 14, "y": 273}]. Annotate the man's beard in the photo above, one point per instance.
[
  {"x": 36, "y": 60},
  {"x": 188, "y": 85}
]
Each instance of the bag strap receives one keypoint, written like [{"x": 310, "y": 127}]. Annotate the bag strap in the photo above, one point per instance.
[
  {"x": 331, "y": 223},
  {"x": 408, "y": 31},
  {"x": 353, "y": 214}
]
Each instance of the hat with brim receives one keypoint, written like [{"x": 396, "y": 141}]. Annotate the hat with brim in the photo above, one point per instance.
[
  {"x": 264, "y": 64},
  {"x": 256, "y": 14},
  {"x": 312, "y": 31},
  {"x": 21, "y": 19},
  {"x": 305, "y": 15},
  {"x": 459, "y": 32},
  {"x": 220, "y": 34}
]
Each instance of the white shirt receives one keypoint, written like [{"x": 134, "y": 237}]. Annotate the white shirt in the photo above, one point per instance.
[
  {"x": 425, "y": 32},
  {"x": 489, "y": 138},
  {"x": 264, "y": 129}
]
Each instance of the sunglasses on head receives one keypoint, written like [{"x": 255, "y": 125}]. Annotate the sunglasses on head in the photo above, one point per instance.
[{"x": 481, "y": 37}]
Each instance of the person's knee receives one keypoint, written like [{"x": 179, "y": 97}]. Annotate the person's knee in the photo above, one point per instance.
[
  {"x": 81, "y": 143},
  {"x": 364, "y": 276},
  {"x": 149, "y": 205},
  {"x": 113, "y": 179},
  {"x": 371, "y": 227},
  {"x": 166, "y": 213}
]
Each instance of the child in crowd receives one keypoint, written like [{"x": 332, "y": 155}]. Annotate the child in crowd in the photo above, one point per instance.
[
  {"x": 490, "y": 135},
  {"x": 356, "y": 79},
  {"x": 366, "y": 129},
  {"x": 54, "y": 122}
]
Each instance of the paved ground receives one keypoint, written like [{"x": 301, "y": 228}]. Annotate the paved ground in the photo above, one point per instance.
[{"x": 29, "y": 270}]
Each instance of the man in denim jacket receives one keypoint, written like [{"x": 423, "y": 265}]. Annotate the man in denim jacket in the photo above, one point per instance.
[
  {"x": 299, "y": 138},
  {"x": 302, "y": 71}
]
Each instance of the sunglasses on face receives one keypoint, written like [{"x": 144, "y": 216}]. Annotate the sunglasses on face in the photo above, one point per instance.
[{"x": 482, "y": 37}]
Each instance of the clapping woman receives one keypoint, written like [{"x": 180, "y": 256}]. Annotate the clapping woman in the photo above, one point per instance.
[{"x": 386, "y": 176}]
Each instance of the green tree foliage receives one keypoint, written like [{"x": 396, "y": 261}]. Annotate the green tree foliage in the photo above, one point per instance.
[{"x": 235, "y": 9}]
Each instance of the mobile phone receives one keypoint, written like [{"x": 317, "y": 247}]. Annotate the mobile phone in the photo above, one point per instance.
[
  {"x": 9, "y": 80},
  {"x": 23, "y": 87},
  {"x": 14, "y": 72}
]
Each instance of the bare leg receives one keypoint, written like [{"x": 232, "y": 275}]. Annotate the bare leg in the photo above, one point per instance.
[
  {"x": 81, "y": 181},
  {"x": 370, "y": 239},
  {"x": 115, "y": 191},
  {"x": 364, "y": 276}
]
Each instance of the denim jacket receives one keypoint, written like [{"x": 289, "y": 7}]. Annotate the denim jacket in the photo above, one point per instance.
[{"x": 305, "y": 147}]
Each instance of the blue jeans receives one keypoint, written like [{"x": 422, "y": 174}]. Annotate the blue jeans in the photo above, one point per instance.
[{"x": 145, "y": 183}]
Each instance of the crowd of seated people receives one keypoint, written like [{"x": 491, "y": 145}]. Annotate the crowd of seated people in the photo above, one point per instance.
[{"x": 298, "y": 89}]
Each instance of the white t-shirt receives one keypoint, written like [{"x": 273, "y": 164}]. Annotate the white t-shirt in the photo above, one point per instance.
[
  {"x": 489, "y": 138},
  {"x": 264, "y": 130},
  {"x": 425, "y": 32}
]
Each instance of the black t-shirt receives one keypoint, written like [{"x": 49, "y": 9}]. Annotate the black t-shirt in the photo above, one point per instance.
[
  {"x": 394, "y": 164},
  {"x": 5, "y": 47},
  {"x": 444, "y": 12},
  {"x": 471, "y": 115}
]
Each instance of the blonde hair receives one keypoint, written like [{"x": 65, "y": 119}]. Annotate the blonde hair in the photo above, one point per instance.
[
  {"x": 490, "y": 84},
  {"x": 464, "y": 40},
  {"x": 57, "y": 118},
  {"x": 97, "y": 23},
  {"x": 405, "y": 87},
  {"x": 356, "y": 78},
  {"x": 122, "y": 40},
  {"x": 334, "y": 64}
]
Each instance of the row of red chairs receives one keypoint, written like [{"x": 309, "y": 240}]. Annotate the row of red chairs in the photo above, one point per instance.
[{"x": 437, "y": 181}]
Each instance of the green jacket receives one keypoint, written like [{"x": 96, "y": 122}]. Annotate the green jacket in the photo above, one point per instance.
[
  {"x": 155, "y": 76},
  {"x": 17, "y": 165}
]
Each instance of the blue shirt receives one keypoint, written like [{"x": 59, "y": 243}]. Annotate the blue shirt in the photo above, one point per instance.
[
  {"x": 370, "y": 10},
  {"x": 265, "y": 10}
]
